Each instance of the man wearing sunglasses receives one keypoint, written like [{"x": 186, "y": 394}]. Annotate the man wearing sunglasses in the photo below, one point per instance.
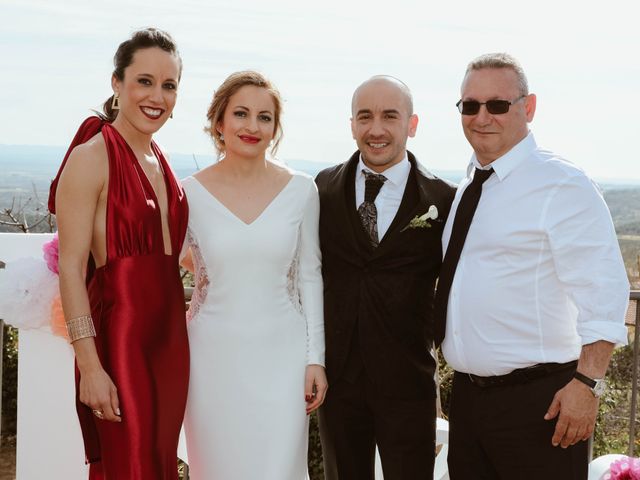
[{"x": 532, "y": 292}]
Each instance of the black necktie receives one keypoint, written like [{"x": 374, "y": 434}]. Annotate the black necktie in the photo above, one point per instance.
[
  {"x": 367, "y": 210},
  {"x": 462, "y": 221}
]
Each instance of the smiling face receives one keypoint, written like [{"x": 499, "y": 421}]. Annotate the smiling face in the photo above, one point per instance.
[
  {"x": 148, "y": 91},
  {"x": 491, "y": 136},
  {"x": 382, "y": 121},
  {"x": 248, "y": 124}
]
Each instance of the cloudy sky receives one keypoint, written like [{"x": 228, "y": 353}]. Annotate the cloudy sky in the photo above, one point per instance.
[{"x": 581, "y": 58}]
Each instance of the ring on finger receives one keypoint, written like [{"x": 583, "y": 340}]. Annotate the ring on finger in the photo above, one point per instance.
[{"x": 98, "y": 413}]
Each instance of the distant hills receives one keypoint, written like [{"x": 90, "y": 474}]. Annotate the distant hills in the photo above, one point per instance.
[
  {"x": 25, "y": 165},
  {"x": 26, "y": 172},
  {"x": 25, "y": 169}
]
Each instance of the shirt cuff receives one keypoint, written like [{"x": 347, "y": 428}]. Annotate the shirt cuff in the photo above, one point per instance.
[{"x": 594, "y": 331}]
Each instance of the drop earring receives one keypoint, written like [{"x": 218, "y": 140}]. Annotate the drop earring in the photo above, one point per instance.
[
  {"x": 115, "y": 102},
  {"x": 221, "y": 137}
]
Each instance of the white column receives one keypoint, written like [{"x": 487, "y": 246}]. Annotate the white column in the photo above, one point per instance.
[{"x": 49, "y": 443}]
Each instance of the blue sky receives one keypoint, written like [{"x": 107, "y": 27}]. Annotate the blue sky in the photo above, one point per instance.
[{"x": 581, "y": 59}]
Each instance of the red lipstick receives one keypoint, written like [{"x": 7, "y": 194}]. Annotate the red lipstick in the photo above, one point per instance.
[{"x": 249, "y": 139}]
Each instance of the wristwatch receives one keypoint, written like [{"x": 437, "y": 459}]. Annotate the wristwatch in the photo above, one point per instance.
[{"x": 597, "y": 385}]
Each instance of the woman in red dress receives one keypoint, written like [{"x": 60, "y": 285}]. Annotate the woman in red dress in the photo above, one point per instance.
[{"x": 122, "y": 217}]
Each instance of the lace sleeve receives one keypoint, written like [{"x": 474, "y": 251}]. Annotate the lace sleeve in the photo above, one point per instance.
[
  {"x": 200, "y": 276},
  {"x": 293, "y": 289}
]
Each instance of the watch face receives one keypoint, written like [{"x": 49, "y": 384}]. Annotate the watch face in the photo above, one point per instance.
[{"x": 600, "y": 388}]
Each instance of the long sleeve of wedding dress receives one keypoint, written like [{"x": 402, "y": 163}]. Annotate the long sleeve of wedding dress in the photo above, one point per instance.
[
  {"x": 310, "y": 278},
  {"x": 255, "y": 323}
]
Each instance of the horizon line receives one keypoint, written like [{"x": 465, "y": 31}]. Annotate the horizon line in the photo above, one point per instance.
[{"x": 620, "y": 181}]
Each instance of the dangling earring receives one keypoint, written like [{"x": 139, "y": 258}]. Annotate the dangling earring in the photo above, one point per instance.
[
  {"x": 115, "y": 102},
  {"x": 221, "y": 137}
]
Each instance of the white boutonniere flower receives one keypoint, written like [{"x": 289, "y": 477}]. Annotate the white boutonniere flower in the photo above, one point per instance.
[{"x": 422, "y": 221}]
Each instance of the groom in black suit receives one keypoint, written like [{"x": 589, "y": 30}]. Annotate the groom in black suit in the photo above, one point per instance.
[{"x": 381, "y": 219}]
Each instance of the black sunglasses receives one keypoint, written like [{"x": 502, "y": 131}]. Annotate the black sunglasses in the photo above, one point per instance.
[{"x": 494, "y": 107}]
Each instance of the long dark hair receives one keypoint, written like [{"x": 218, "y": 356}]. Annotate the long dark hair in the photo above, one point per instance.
[{"x": 145, "y": 38}]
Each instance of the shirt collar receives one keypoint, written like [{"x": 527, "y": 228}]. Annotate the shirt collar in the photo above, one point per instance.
[
  {"x": 397, "y": 174},
  {"x": 508, "y": 162}
]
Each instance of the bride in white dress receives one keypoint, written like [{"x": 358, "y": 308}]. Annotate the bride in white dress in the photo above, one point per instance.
[{"x": 256, "y": 327}]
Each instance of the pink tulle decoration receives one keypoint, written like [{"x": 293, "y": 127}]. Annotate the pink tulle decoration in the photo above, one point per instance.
[
  {"x": 50, "y": 250},
  {"x": 627, "y": 468}
]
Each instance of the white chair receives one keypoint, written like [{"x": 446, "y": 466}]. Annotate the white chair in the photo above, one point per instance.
[
  {"x": 440, "y": 470},
  {"x": 599, "y": 467}
]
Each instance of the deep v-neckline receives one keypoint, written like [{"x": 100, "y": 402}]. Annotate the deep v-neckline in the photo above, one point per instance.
[
  {"x": 237, "y": 217},
  {"x": 148, "y": 186}
]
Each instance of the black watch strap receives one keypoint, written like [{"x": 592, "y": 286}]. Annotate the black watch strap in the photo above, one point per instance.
[{"x": 590, "y": 382}]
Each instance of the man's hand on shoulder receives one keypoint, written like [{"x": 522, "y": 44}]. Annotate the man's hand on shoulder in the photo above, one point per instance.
[{"x": 576, "y": 408}]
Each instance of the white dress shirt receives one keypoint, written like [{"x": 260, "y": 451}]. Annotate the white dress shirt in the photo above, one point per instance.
[
  {"x": 540, "y": 273},
  {"x": 388, "y": 200}
]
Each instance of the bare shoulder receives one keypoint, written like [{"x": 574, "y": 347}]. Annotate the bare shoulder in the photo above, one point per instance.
[
  {"x": 88, "y": 162},
  {"x": 89, "y": 155}
]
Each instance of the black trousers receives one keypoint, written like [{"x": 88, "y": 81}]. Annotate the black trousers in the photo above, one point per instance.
[
  {"x": 355, "y": 417},
  {"x": 501, "y": 433}
]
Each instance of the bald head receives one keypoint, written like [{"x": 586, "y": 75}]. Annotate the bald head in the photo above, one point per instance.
[
  {"x": 382, "y": 120},
  {"x": 384, "y": 82}
]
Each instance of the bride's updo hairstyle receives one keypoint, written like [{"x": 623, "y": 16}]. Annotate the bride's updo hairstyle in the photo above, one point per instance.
[
  {"x": 140, "y": 39},
  {"x": 229, "y": 87}
]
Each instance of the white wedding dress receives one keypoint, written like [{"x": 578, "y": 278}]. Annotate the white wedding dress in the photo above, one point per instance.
[{"x": 255, "y": 322}]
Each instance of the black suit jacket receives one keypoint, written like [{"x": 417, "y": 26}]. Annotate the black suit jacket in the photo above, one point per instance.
[{"x": 383, "y": 295}]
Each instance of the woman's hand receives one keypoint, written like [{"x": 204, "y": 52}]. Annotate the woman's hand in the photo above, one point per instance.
[
  {"x": 98, "y": 392},
  {"x": 315, "y": 387}
]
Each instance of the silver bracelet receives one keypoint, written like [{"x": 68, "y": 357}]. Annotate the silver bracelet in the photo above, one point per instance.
[{"x": 80, "y": 327}]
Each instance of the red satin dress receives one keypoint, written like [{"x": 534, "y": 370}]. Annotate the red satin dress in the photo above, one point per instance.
[{"x": 137, "y": 304}]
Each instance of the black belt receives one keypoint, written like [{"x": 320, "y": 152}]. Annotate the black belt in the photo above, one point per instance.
[{"x": 521, "y": 375}]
